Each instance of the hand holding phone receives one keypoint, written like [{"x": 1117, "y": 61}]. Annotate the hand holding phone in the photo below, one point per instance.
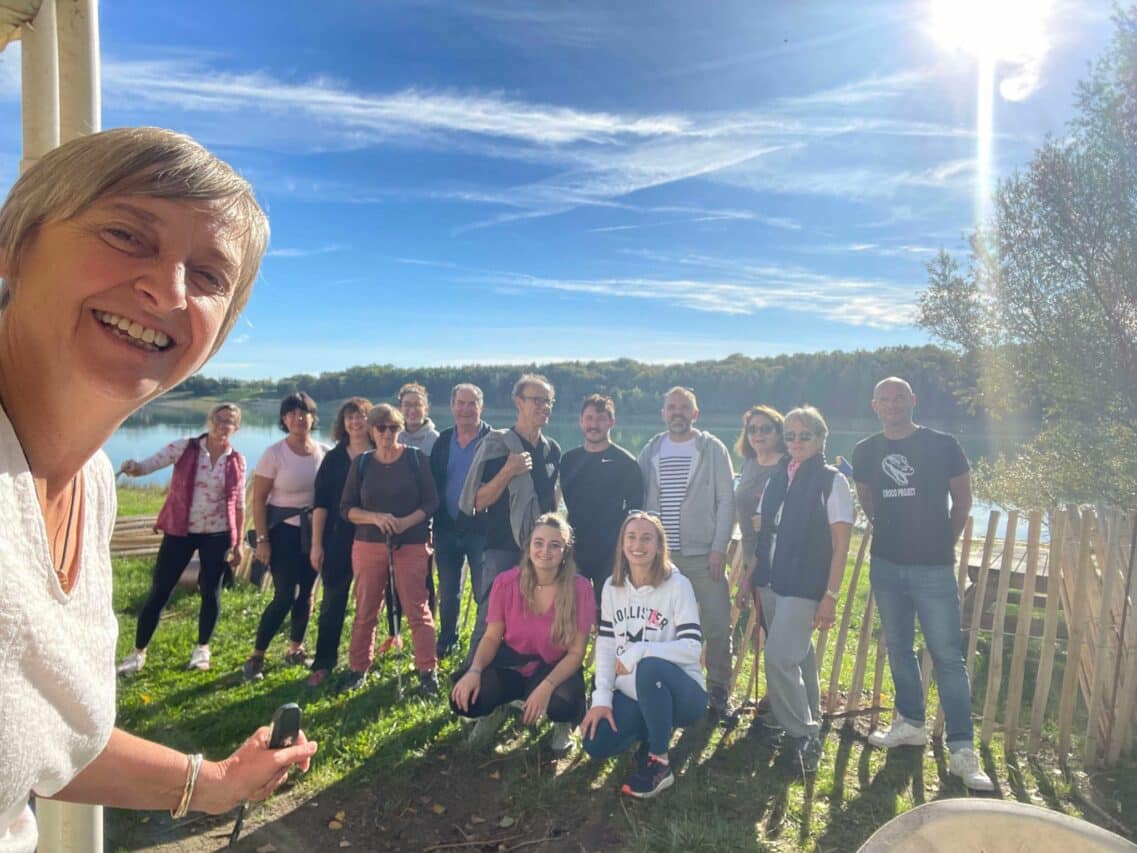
[{"x": 285, "y": 729}]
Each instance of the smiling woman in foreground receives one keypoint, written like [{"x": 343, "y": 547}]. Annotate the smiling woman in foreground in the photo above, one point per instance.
[{"x": 126, "y": 257}]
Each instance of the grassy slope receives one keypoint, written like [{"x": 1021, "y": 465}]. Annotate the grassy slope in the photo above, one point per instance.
[{"x": 731, "y": 794}]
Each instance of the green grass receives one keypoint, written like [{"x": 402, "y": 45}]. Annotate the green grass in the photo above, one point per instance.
[
  {"x": 732, "y": 792},
  {"x": 139, "y": 499}
]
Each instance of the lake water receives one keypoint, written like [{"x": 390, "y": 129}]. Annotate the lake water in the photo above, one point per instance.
[{"x": 159, "y": 424}]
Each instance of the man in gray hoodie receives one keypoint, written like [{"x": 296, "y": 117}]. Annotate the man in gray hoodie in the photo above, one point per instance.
[{"x": 689, "y": 482}]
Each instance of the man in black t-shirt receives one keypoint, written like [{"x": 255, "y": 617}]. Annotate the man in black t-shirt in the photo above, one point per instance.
[
  {"x": 905, "y": 476},
  {"x": 539, "y": 459},
  {"x": 601, "y": 482}
]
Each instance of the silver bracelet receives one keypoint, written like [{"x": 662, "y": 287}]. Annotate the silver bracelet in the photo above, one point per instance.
[{"x": 192, "y": 771}]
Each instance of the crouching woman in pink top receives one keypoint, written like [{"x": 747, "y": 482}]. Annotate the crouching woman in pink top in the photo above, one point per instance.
[{"x": 537, "y": 626}]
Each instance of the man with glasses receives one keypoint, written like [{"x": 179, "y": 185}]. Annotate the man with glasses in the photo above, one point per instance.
[
  {"x": 458, "y": 537},
  {"x": 689, "y": 482},
  {"x": 512, "y": 481},
  {"x": 601, "y": 482},
  {"x": 905, "y": 475}
]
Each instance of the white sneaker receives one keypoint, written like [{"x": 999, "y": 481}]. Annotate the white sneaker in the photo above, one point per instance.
[
  {"x": 900, "y": 733},
  {"x": 132, "y": 663},
  {"x": 964, "y": 763},
  {"x": 199, "y": 658},
  {"x": 562, "y": 740},
  {"x": 486, "y": 727}
]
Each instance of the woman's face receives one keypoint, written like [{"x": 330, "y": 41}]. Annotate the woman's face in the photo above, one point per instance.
[
  {"x": 355, "y": 423},
  {"x": 127, "y": 296},
  {"x": 546, "y": 548},
  {"x": 762, "y": 434},
  {"x": 385, "y": 435},
  {"x": 641, "y": 543},
  {"x": 298, "y": 422},
  {"x": 802, "y": 440},
  {"x": 223, "y": 424}
]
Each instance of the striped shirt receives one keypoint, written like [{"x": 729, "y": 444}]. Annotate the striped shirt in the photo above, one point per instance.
[{"x": 675, "y": 460}]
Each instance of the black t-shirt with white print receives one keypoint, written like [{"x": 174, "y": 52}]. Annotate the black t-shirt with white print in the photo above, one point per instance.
[{"x": 909, "y": 479}]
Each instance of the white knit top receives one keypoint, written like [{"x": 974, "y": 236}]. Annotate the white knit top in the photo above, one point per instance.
[{"x": 57, "y": 681}]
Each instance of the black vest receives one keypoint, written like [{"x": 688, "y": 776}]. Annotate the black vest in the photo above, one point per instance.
[{"x": 796, "y": 515}]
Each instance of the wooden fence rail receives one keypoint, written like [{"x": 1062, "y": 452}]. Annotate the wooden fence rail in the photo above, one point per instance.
[{"x": 1050, "y": 634}]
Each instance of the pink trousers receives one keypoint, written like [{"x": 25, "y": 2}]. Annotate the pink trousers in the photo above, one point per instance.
[{"x": 371, "y": 565}]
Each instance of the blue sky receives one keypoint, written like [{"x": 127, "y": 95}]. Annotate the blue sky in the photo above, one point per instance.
[{"x": 456, "y": 182}]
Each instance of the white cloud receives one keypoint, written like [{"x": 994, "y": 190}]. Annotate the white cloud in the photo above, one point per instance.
[{"x": 293, "y": 252}]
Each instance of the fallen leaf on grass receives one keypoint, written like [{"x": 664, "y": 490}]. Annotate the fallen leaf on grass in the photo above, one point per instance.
[
  {"x": 438, "y": 808},
  {"x": 335, "y": 825},
  {"x": 345, "y": 843},
  {"x": 266, "y": 848},
  {"x": 506, "y": 822},
  {"x": 496, "y": 774},
  {"x": 474, "y": 819},
  {"x": 145, "y": 697},
  {"x": 341, "y": 815},
  {"x": 442, "y": 756}
]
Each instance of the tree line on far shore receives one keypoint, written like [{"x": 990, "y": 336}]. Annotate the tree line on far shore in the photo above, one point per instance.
[{"x": 838, "y": 383}]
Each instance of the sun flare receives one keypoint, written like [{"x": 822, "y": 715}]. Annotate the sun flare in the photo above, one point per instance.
[{"x": 996, "y": 30}]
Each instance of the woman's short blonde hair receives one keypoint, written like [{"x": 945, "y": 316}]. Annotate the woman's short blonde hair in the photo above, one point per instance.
[
  {"x": 385, "y": 413},
  {"x": 809, "y": 416},
  {"x": 131, "y": 161}
]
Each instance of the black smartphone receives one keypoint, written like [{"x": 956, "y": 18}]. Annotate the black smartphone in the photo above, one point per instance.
[
  {"x": 285, "y": 729},
  {"x": 285, "y": 726}
]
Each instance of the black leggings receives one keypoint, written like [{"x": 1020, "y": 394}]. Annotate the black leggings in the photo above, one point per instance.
[
  {"x": 500, "y": 686},
  {"x": 292, "y": 581},
  {"x": 173, "y": 556},
  {"x": 337, "y": 579}
]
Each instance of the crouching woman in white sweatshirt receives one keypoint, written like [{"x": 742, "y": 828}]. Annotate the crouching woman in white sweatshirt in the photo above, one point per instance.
[{"x": 648, "y": 677}]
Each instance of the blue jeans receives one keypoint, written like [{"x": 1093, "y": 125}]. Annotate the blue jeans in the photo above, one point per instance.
[
  {"x": 668, "y": 697},
  {"x": 451, "y": 549},
  {"x": 903, "y": 594},
  {"x": 494, "y": 562}
]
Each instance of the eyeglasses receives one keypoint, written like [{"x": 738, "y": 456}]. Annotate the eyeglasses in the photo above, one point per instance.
[
  {"x": 386, "y": 427},
  {"x": 763, "y": 429},
  {"x": 804, "y": 435},
  {"x": 540, "y": 401}
]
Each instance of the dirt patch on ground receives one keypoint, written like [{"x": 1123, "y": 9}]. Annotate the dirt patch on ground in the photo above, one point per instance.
[{"x": 517, "y": 797}]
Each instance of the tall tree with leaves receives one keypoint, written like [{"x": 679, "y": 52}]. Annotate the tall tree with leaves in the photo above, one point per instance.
[{"x": 1045, "y": 314}]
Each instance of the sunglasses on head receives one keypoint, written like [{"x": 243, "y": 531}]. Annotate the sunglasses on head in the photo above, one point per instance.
[
  {"x": 642, "y": 513},
  {"x": 804, "y": 435},
  {"x": 386, "y": 427},
  {"x": 763, "y": 429}
]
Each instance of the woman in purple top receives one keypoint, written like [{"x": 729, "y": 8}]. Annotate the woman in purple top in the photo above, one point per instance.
[{"x": 537, "y": 626}]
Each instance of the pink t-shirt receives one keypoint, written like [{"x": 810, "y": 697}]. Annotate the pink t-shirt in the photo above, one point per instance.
[
  {"x": 528, "y": 633},
  {"x": 293, "y": 476}
]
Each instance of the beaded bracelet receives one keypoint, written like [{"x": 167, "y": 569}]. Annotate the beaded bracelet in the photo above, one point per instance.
[{"x": 192, "y": 769}]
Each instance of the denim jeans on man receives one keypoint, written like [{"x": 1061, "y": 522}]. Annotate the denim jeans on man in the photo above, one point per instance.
[
  {"x": 494, "y": 562},
  {"x": 903, "y": 594},
  {"x": 452, "y": 548}
]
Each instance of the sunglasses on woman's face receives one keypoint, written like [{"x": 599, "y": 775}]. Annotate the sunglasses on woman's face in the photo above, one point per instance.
[
  {"x": 804, "y": 435},
  {"x": 763, "y": 429},
  {"x": 386, "y": 427}
]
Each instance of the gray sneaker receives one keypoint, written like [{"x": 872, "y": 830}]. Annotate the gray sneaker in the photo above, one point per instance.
[
  {"x": 132, "y": 663},
  {"x": 485, "y": 729}
]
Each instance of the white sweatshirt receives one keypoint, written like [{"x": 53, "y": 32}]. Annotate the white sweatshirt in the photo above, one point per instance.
[{"x": 649, "y": 621}]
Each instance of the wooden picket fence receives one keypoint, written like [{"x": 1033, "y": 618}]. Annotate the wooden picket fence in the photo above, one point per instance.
[{"x": 1037, "y": 606}]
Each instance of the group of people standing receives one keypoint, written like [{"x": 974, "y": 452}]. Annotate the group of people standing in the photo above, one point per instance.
[{"x": 639, "y": 558}]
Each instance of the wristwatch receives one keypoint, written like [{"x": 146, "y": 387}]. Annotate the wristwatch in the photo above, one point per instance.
[{"x": 262, "y": 537}]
